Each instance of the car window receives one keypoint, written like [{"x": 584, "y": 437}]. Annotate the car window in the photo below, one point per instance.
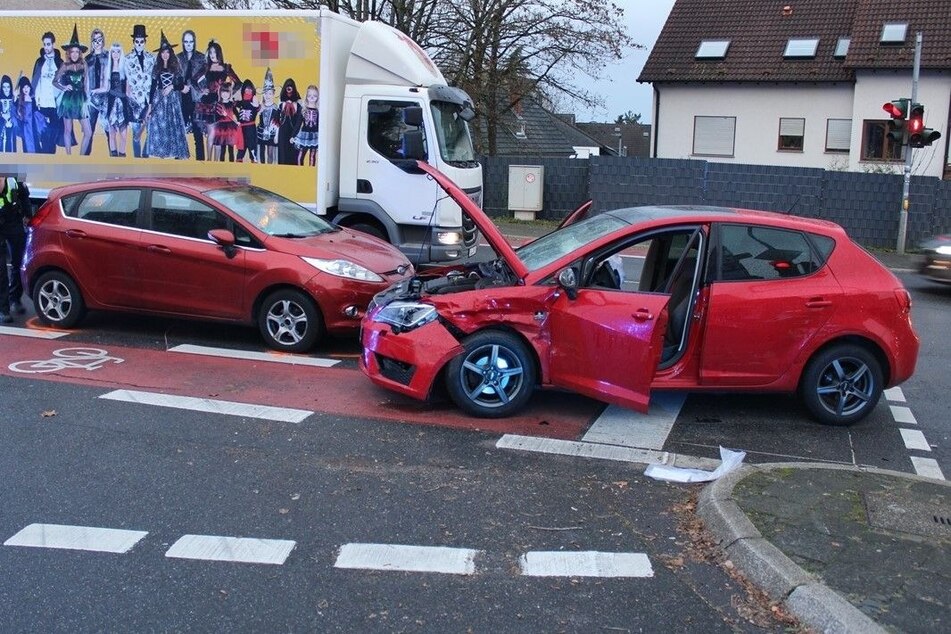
[
  {"x": 748, "y": 252},
  {"x": 113, "y": 206},
  {"x": 183, "y": 216},
  {"x": 646, "y": 264}
]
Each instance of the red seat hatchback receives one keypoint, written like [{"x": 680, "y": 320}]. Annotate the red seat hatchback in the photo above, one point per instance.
[
  {"x": 200, "y": 248},
  {"x": 623, "y": 302}
]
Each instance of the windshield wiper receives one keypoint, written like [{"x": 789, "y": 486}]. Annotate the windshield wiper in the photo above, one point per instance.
[{"x": 292, "y": 235}]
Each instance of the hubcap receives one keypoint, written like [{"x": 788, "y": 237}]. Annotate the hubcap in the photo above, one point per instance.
[
  {"x": 287, "y": 322},
  {"x": 55, "y": 300},
  {"x": 845, "y": 386},
  {"x": 492, "y": 375}
]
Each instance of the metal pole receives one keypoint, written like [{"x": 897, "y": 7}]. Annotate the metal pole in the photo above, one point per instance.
[{"x": 906, "y": 185}]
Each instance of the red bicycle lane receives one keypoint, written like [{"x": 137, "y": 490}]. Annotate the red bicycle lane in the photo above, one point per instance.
[{"x": 337, "y": 391}]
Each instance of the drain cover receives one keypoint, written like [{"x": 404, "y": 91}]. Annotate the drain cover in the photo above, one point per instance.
[{"x": 900, "y": 511}]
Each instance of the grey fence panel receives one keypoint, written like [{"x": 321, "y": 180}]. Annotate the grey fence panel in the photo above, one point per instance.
[{"x": 565, "y": 184}]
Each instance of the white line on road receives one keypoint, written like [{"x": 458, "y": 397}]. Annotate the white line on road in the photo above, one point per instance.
[
  {"x": 231, "y": 408},
  {"x": 30, "y": 332},
  {"x": 620, "y": 426},
  {"x": 903, "y": 415},
  {"x": 927, "y": 467},
  {"x": 585, "y": 564},
  {"x": 105, "y": 540},
  {"x": 895, "y": 395},
  {"x": 244, "y": 550},
  {"x": 582, "y": 449},
  {"x": 454, "y": 561},
  {"x": 270, "y": 357},
  {"x": 914, "y": 439}
]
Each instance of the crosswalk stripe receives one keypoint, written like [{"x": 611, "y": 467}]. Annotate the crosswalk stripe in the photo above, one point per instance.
[
  {"x": 927, "y": 467},
  {"x": 395, "y": 557},
  {"x": 914, "y": 439},
  {"x": 246, "y": 550},
  {"x": 32, "y": 332},
  {"x": 620, "y": 426},
  {"x": 582, "y": 449},
  {"x": 231, "y": 408},
  {"x": 250, "y": 355},
  {"x": 585, "y": 564},
  {"x": 106, "y": 540}
]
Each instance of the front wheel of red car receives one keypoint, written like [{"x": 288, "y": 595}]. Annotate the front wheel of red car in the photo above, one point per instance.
[
  {"x": 494, "y": 377},
  {"x": 57, "y": 300},
  {"x": 290, "y": 321},
  {"x": 842, "y": 385}
]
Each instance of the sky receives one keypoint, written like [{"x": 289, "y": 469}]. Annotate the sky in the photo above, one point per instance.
[{"x": 619, "y": 88}]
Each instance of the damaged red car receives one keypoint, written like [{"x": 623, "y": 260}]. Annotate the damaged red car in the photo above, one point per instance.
[{"x": 626, "y": 301}]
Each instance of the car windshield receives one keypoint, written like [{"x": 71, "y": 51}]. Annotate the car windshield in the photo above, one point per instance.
[
  {"x": 272, "y": 214},
  {"x": 452, "y": 133},
  {"x": 557, "y": 244}
]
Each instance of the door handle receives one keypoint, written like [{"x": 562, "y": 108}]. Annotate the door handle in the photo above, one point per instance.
[
  {"x": 154, "y": 248},
  {"x": 818, "y": 302},
  {"x": 75, "y": 233},
  {"x": 642, "y": 314}
]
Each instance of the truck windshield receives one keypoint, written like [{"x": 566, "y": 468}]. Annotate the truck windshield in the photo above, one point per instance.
[
  {"x": 452, "y": 134},
  {"x": 272, "y": 214}
]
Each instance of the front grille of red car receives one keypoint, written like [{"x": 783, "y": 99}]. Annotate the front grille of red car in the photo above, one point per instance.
[{"x": 395, "y": 370}]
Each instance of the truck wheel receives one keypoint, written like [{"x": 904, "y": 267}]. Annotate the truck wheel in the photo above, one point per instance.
[
  {"x": 57, "y": 300},
  {"x": 290, "y": 321},
  {"x": 370, "y": 230},
  {"x": 494, "y": 377},
  {"x": 841, "y": 385}
]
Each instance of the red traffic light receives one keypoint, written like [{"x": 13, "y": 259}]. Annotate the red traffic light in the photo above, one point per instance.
[{"x": 898, "y": 109}]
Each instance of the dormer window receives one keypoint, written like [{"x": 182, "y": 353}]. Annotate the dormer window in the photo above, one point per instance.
[
  {"x": 801, "y": 47},
  {"x": 894, "y": 33},
  {"x": 712, "y": 49},
  {"x": 842, "y": 47}
]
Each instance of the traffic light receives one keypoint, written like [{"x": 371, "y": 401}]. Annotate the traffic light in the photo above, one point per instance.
[
  {"x": 898, "y": 110},
  {"x": 918, "y": 135}
]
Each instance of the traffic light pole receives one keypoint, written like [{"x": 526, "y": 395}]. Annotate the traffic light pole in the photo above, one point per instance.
[{"x": 906, "y": 186}]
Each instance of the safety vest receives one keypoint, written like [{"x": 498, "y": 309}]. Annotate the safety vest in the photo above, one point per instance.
[{"x": 10, "y": 194}]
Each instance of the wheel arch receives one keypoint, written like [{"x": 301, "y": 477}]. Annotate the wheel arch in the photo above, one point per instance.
[
  {"x": 266, "y": 291},
  {"x": 462, "y": 336}
]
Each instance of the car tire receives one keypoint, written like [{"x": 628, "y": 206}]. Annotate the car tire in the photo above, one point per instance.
[
  {"x": 290, "y": 321},
  {"x": 841, "y": 385},
  {"x": 370, "y": 230},
  {"x": 57, "y": 300},
  {"x": 494, "y": 377}
]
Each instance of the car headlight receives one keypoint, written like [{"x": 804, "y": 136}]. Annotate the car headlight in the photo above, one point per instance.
[
  {"x": 343, "y": 268},
  {"x": 944, "y": 250},
  {"x": 406, "y": 315}
]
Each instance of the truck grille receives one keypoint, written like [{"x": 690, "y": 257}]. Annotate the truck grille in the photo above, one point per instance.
[
  {"x": 395, "y": 370},
  {"x": 470, "y": 233}
]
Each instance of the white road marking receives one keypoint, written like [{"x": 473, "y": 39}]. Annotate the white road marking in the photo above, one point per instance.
[
  {"x": 582, "y": 449},
  {"x": 30, "y": 332},
  {"x": 105, "y": 540},
  {"x": 453, "y": 561},
  {"x": 270, "y": 357},
  {"x": 903, "y": 415},
  {"x": 213, "y": 406},
  {"x": 245, "y": 550},
  {"x": 914, "y": 439},
  {"x": 585, "y": 564},
  {"x": 927, "y": 467},
  {"x": 620, "y": 426},
  {"x": 894, "y": 394}
]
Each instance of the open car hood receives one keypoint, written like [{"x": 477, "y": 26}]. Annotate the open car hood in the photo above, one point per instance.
[{"x": 485, "y": 224}]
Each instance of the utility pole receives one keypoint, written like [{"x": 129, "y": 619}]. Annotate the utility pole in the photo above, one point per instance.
[{"x": 906, "y": 186}]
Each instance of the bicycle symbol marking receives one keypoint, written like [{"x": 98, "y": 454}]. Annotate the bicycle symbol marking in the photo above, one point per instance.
[{"x": 67, "y": 359}]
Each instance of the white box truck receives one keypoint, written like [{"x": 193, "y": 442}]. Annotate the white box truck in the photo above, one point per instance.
[{"x": 310, "y": 104}]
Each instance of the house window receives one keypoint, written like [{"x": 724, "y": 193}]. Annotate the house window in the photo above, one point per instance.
[
  {"x": 894, "y": 33},
  {"x": 714, "y": 136},
  {"x": 801, "y": 47},
  {"x": 712, "y": 49},
  {"x": 838, "y": 135},
  {"x": 876, "y": 146},
  {"x": 791, "y": 132},
  {"x": 842, "y": 47}
]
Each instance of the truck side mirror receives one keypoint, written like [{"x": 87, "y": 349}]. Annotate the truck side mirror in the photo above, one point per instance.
[
  {"x": 413, "y": 116},
  {"x": 414, "y": 147}
]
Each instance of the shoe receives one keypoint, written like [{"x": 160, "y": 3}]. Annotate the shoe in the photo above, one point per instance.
[
  {"x": 5, "y": 318},
  {"x": 17, "y": 308}
]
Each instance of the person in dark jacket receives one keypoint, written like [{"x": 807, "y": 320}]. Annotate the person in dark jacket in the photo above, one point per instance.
[
  {"x": 45, "y": 94},
  {"x": 15, "y": 208}
]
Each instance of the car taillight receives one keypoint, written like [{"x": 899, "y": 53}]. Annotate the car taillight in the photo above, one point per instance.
[
  {"x": 904, "y": 300},
  {"x": 41, "y": 214}
]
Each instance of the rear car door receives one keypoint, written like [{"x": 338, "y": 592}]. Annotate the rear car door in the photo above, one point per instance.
[{"x": 184, "y": 271}]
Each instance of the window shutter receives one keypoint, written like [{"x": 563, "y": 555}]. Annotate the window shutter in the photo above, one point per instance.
[
  {"x": 714, "y": 136},
  {"x": 839, "y": 134},
  {"x": 792, "y": 127}
]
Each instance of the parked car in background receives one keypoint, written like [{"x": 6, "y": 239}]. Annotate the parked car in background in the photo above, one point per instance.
[
  {"x": 710, "y": 299},
  {"x": 207, "y": 249},
  {"x": 936, "y": 265}
]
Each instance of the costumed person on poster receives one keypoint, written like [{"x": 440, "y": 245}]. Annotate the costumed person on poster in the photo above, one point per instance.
[
  {"x": 269, "y": 122},
  {"x": 96, "y": 63},
  {"x": 8, "y": 132},
  {"x": 290, "y": 123},
  {"x": 192, "y": 63},
  {"x": 138, "y": 72},
  {"x": 166, "y": 125},
  {"x": 306, "y": 138},
  {"x": 246, "y": 111},
  {"x": 46, "y": 94},
  {"x": 71, "y": 80},
  {"x": 217, "y": 72},
  {"x": 117, "y": 101},
  {"x": 227, "y": 131},
  {"x": 29, "y": 120}
]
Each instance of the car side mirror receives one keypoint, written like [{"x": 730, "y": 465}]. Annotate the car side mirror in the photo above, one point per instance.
[
  {"x": 224, "y": 239},
  {"x": 568, "y": 280}
]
